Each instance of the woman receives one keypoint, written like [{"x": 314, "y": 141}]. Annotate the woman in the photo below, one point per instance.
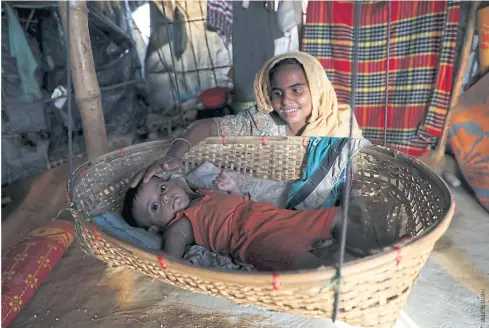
[{"x": 294, "y": 97}]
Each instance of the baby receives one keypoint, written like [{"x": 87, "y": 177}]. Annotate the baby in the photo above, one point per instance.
[{"x": 227, "y": 222}]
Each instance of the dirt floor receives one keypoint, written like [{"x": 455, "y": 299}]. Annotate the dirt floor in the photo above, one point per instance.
[
  {"x": 76, "y": 293},
  {"x": 74, "y": 296}
]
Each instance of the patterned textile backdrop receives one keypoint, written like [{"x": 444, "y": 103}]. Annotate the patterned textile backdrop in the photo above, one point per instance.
[
  {"x": 27, "y": 264},
  {"x": 469, "y": 139},
  {"x": 422, "y": 42}
]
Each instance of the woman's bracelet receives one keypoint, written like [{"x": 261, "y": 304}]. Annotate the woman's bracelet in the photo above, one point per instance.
[{"x": 183, "y": 139}]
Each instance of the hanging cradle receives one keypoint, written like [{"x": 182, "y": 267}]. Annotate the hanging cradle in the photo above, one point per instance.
[{"x": 373, "y": 289}]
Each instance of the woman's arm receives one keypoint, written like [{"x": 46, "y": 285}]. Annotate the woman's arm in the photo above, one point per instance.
[
  {"x": 172, "y": 161},
  {"x": 230, "y": 125},
  {"x": 196, "y": 132},
  {"x": 242, "y": 124}
]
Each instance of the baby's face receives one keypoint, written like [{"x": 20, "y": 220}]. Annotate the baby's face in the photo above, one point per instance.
[{"x": 158, "y": 201}]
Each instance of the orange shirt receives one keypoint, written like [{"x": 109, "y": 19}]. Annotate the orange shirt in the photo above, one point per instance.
[{"x": 256, "y": 233}]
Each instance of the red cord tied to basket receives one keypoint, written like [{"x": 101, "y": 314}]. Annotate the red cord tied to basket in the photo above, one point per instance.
[
  {"x": 276, "y": 283},
  {"x": 121, "y": 151},
  {"x": 84, "y": 172},
  {"x": 96, "y": 233},
  {"x": 223, "y": 140},
  {"x": 263, "y": 141},
  {"x": 162, "y": 262},
  {"x": 455, "y": 211}
]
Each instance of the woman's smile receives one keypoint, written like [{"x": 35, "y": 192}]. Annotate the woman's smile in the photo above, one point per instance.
[{"x": 290, "y": 111}]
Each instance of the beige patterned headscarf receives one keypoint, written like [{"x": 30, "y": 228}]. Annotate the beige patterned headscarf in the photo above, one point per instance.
[{"x": 327, "y": 117}]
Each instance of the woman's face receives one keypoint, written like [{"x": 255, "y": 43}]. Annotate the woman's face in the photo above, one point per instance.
[{"x": 291, "y": 97}]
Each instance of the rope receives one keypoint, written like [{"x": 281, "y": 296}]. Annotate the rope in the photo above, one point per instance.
[
  {"x": 192, "y": 47},
  {"x": 172, "y": 60},
  {"x": 207, "y": 45},
  {"x": 68, "y": 98},
  {"x": 347, "y": 187},
  {"x": 128, "y": 17},
  {"x": 387, "y": 70}
]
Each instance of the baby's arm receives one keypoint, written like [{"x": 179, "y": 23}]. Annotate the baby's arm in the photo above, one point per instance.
[
  {"x": 177, "y": 237},
  {"x": 225, "y": 183}
]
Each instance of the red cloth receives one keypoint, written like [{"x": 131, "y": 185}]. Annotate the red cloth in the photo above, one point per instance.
[
  {"x": 256, "y": 233},
  {"x": 27, "y": 264}
]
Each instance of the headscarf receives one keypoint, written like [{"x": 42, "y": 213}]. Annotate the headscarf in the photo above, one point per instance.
[{"x": 327, "y": 117}]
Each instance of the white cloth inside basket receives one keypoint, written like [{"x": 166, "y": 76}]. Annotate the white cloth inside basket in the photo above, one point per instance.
[{"x": 263, "y": 190}]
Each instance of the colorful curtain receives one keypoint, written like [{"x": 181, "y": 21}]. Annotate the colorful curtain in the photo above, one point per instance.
[{"x": 421, "y": 54}]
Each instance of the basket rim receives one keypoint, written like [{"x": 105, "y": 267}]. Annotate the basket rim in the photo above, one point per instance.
[{"x": 423, "y": 242}]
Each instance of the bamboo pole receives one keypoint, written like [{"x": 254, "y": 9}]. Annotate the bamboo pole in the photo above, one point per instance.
[
  {"x": 435, "y": 159},
  {"x": 87, "y": 91},
  {"x": 483, "y": 31}
]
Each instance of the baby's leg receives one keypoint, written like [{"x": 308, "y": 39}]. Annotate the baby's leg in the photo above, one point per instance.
[
  {"x": 330, "y": 254},
  {"x": 307, "y": 260}
]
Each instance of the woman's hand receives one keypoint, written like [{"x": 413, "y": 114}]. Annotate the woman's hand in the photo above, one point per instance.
[
  {"x": 224, "y": 182},
  {"x": 166, "y": 164}
]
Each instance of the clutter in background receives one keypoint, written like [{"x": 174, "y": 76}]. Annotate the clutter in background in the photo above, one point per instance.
[
  {"x": 469, "y": 138},
  {"x": 34, "y": 107}
]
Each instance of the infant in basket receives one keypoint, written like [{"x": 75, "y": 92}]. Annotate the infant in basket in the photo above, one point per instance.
[{"x": 227, "y": 222}]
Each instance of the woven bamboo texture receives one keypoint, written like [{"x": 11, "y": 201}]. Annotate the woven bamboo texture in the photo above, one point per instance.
[{"x": 373, "y": 290}]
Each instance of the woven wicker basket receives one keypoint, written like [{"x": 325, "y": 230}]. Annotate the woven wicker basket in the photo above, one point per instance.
[{"x": 374, "y": 289}]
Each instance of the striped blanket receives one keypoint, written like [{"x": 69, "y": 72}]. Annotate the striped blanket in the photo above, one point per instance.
[
  {"x": 421, "y": 54},
  {"x": 220, "y": 18}
]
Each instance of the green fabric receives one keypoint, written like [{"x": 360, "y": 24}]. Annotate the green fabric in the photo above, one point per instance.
[
  {"x": 239, "y": 107},
  {"x": 179, "y": 34},
  {"x": 26, "y": 63}
]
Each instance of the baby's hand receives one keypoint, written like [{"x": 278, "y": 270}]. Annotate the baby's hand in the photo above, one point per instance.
[{"x": 225, "y": 183}]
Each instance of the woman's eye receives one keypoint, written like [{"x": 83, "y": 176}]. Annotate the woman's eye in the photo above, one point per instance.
[
  {"x": 298, "y": 90},
  {"x": 155, "y": 207},
  {"x": 276, "y": 93},
  {"x": 163, "y": 189}
]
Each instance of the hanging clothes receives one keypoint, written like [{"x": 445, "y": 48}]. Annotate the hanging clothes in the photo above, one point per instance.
[
  {"x": 26, "y": 62},
  {"x": 220, "y": 18},
  {"x": 421, "y": 54},
  {"x": 289, "y": 16},
  {"x": 254, "y": 30},
  {"x": 288, "y": 43}
]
